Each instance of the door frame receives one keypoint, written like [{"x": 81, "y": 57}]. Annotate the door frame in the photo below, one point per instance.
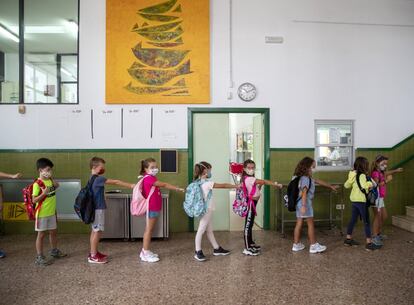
[{"x": 266, "y": 115}]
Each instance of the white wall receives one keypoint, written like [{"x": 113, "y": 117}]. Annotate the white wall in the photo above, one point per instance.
[{"x": 359, "y": 66}]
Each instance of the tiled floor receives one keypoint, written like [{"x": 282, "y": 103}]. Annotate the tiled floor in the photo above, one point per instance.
[{"x": 340, "y": 276}]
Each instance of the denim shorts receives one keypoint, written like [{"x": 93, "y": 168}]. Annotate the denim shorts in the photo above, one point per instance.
[{"x": 153, "y": 214}]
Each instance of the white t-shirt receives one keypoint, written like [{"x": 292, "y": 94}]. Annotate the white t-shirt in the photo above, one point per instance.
[
  {"x": 207, "y": 186},
  {"x": 250, "y": 181}
]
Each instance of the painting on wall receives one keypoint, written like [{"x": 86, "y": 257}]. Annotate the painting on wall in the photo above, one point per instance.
[{"x": 157, "y": 52}]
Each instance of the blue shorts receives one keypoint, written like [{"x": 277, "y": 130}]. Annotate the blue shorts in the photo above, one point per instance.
[
  {"x": 153, "y": 214},
  {"x": 309, "y": 210}
]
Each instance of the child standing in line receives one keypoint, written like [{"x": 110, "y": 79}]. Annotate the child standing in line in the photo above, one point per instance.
[
  {"x": 359, "y": 202},
  {"x": 381, "y": 176},
  {"x": 248, "y": 178},
  {"x": 97, "y": 166},
  {"x": 202, "y": 171},
  {"x": 304, "y": 209},
  {"x": 149, "y": 170},
  {"x": 44, "y": 196},
  {"x": 10, "y": 176}
]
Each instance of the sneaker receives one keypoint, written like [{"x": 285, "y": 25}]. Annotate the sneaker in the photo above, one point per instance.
[
  {"x": 382, "y": 236},
  {"x": 148, "y": 257},
  {"x": 101, "y": 255},
  {"x": 372, "y": 247},
  {"x": 298, "y": 247},
  {"x": 351, "y": 242},
  {"x": 220, "y": 251},
  {"x": 42, "y": 261},
  {"x": 199, "y": 255},
  {"x": 2, "y": 254},
  {"x": 251, "y": 252},
  {"x": 256, "y": 247},
  {"x": 152, "y": 253},
  {"x": 317, "y": 248},
  {"x": 376, "y": 240},
  {"x": 96, "y": 259},
  {"x": 56, "y": 253}
]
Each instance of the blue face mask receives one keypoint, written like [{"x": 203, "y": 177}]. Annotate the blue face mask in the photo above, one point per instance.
[{"x": 209, "y": 175}]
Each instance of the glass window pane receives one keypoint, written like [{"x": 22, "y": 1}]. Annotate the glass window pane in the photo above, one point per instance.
[
  {"x": 333, "y": 134},
  {"x": 334, "y": 156},
  {"x": 9, "y": 51},
  {"x": 69, "y": 93},
  {"x": 50, "y": 48}
]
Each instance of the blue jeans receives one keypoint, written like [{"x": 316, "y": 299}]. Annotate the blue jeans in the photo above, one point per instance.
[{"x": 359, "y": 209}]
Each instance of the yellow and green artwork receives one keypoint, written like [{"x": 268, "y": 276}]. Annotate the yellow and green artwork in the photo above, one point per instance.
[{"x": 157, "y": 52}]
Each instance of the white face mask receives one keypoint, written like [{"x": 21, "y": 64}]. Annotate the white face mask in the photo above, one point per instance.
[
  {"x": 154, "y": 172},
  {"x": 250, "y": 172},
  {"x": 46, "y": 174},
  {"x": 313, "y": 170},
  {"x": 383, "y": 167}
]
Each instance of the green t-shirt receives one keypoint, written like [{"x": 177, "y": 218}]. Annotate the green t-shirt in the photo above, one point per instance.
[{"x": 48, "y": 207}]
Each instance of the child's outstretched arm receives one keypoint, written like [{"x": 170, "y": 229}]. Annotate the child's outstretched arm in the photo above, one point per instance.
[
  {"x": 169, "y": 186},
  {"x": 394, "y": 171},
  {"x": 10, "y": 176},
  {"x": 120, "y": 183},
  {"x": 327, "y": 185},
  {"x": 270, "y": 183},
  {"x": 224, "y": 186}
]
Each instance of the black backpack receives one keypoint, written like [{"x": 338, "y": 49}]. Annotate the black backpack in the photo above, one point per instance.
[
  {"x": 84, "y": 203},
  {"x": 292, "y": 196},
  {"x": 371, "y": 195}
]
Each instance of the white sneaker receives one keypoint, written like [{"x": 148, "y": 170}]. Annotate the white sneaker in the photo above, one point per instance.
[
  {"x": 152, "y": 253},
  {"x": 149, "y": 257},
  {"x": 251, "y": 252},
  {"x": 298, "y": 247},
  {"x": 317, "y": 248}
]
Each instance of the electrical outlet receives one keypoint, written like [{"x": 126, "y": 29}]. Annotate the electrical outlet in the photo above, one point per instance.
[{"x": 340, "y": 206}]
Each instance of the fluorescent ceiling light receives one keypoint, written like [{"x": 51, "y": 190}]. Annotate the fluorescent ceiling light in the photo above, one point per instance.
[
  {"x": 41, "y": 29},
  {"x": 9, "y": 34}
]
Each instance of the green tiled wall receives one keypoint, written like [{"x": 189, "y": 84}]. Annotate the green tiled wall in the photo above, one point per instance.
[
  {"x": 119, "y": 165},
  {"x": 124, "y": 165}
]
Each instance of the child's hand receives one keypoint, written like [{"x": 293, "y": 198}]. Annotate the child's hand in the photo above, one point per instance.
[
  {"x": 399, "y": 170},
  {"x": 303, "y": 209},
  {"x": 16, "y": 176},
  {"x": 45, "y": 191},
  {"x": 278, "y": 185},
  {"x": 334, "y": 188},
  {"x": 180, "y": 190},
  {"x": 389, "y": 178},
  {"x": 56, "y": 184}
]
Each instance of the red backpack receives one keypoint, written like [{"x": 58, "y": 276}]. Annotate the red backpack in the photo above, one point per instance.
[{"x": 31, "y": 208}]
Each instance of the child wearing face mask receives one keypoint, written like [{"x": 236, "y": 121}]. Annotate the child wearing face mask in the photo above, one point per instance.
[
  {"x": 202, "y": 172},
  {"x": 248, "y": 178},
  {"x": 304, "y": 209},
  {"x": 381, "y": 176},
  {"x": 149, "y": 170},
  {"x": 44, "y": 196},
  {"x": 97, "y": 166}
]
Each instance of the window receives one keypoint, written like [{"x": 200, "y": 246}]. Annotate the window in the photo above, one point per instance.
[
  {"x": 334, "y": 148},
  {"x": 39, "y": 51}
]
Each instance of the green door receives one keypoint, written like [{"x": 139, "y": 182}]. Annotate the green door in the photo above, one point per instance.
[{"x": 211, "y": 143}]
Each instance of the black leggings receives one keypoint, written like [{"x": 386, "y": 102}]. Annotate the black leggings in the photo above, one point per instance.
[{"x": 248, "y": 227}]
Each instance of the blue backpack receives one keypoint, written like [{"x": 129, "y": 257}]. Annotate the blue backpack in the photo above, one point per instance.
[{"x": 194, "y": 203}]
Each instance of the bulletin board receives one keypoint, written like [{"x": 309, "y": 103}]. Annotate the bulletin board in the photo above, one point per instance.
[
  {"x": 157, "y": 52},
  {"x": 169, "y": 161}
]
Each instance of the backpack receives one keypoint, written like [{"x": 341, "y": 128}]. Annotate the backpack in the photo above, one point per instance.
[
  {"x": 139, "y": 204},
  {"x": 292, "y": 195},
  {"x": 31, "y": 208},
  {"x": 371, "y": 195},
  {"x": 243, "y": 201},
  {"x": 194, "y": 203},
  {"x": 84, "y": 203}
]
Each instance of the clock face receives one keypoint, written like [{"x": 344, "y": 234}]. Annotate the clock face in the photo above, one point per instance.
[{"x": 247, "y": 92}]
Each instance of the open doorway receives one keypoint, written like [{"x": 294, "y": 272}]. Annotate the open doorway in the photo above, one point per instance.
[{"x": 223, "y": 135}]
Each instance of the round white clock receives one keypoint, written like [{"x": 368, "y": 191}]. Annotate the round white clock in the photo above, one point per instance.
[{"x": 247, "y": 92}]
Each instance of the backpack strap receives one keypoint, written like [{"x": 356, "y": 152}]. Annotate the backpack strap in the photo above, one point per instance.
[
  {"x": 250, "y": 196},
  {"x": 359, "y": 184},
  {"x": 39, "y": 204}
]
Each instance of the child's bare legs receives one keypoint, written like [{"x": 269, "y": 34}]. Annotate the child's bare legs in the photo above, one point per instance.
[
  {"x": 94, "y": 240},
  {"x": 148, "y": 232},
  {"x": 298, "y": 229},
  {"x": 39, "y": 242},
  {"x": 53, "y": 238},
  {"x": 376, "y": 221},
  {"x": 311, "y": 230}
]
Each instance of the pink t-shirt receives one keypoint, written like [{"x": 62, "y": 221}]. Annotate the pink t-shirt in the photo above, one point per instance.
[
  {"x": 378, "y": 175},
  {"x": 155, "y": 202},
  {"x": 250, "y": 181}
]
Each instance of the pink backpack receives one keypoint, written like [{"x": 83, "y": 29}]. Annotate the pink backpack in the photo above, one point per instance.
[
  {"x": 243, "y": 201},
  {"x": 139, "y": 204}
]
